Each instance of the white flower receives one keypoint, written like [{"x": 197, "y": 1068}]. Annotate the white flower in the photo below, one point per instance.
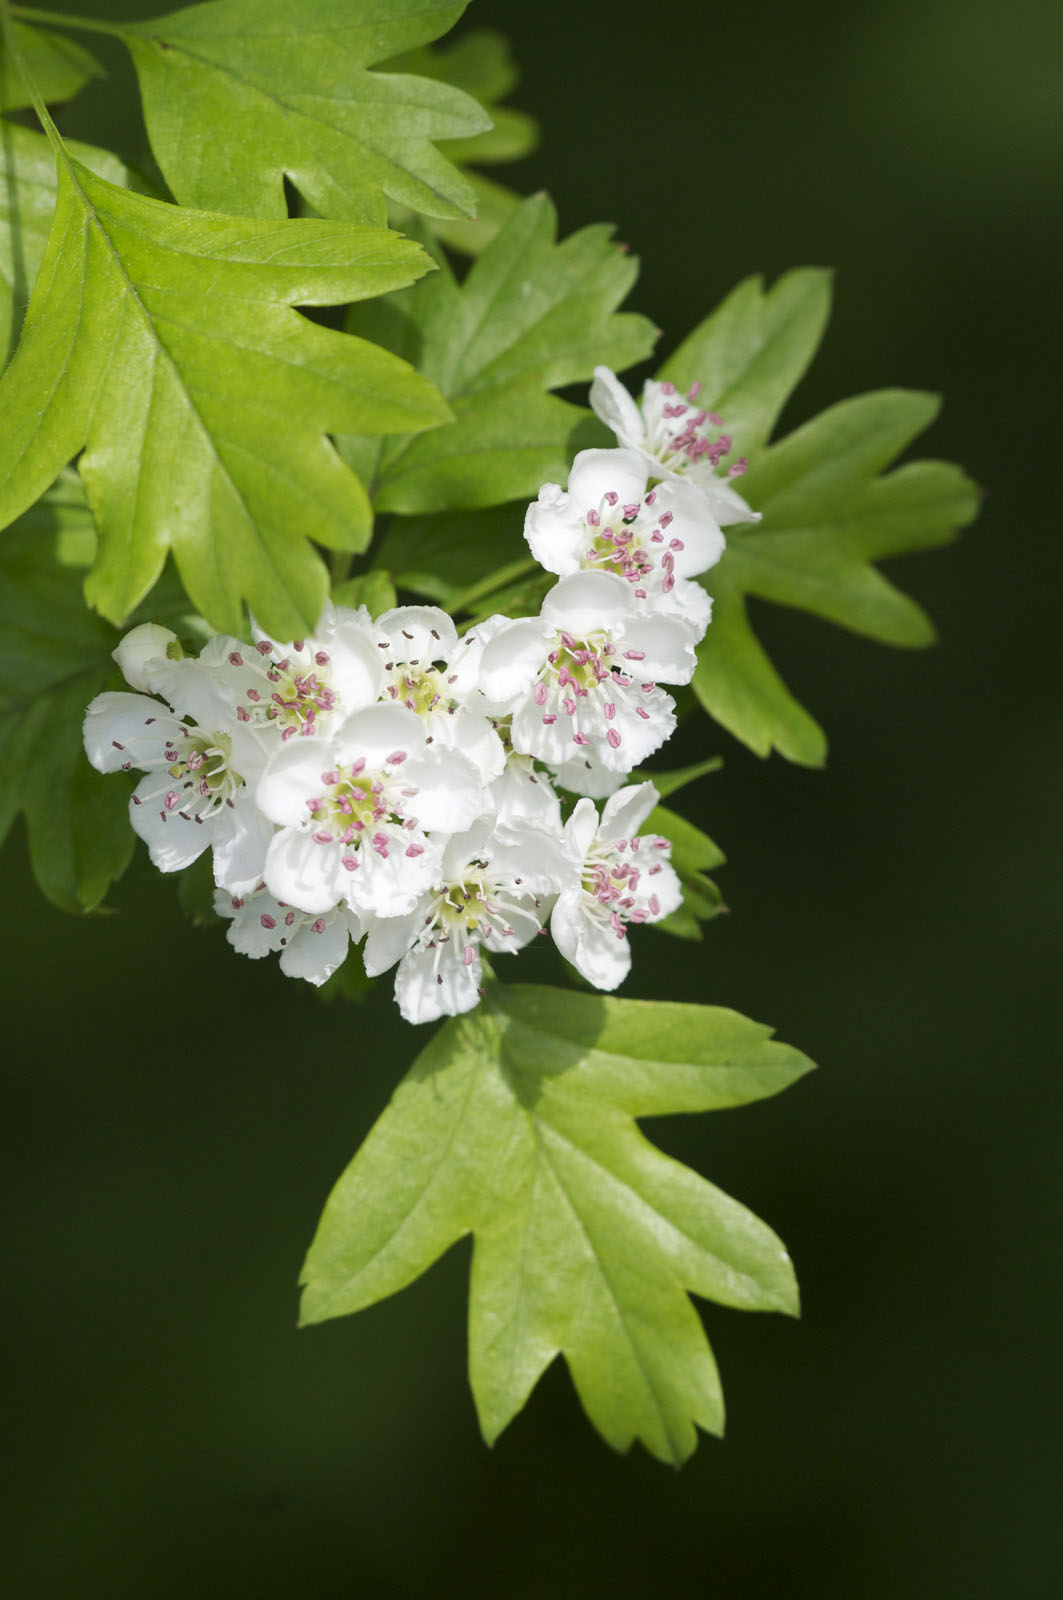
[
  {"x": 302, "y": 688},
  {"x": 623, "y": 878},
  {"x": 311, "y": 947},
  {"x": 355, "y": 810},
  {"x": 676, "y": 439},
  {"x": 657, "y": 540},
  {"x": 524, "y": 790},
  {"x": 429, "y": 671},
  {"x": 196, "y": 790},
  {"x": 493, "y": 880},
  {"x": 581, "y": 678}
]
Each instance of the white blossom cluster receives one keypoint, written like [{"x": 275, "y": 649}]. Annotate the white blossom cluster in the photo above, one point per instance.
[{"x": 389, "y": 783}]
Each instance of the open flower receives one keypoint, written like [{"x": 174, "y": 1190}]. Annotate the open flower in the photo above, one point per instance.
[
  {"x": 310, "y": 947},
  {"x": 623, "y": 878},
  {"x": 581, "y": 678},
  {"x": 657, "y": 540},
  {"x": 431, "y": 672},
  {"x": 280, "y": 690},
  {"x": 676, "y": 438},
  {"x": 198, "y": 788},
  {"x": 495, "y": 884},
  {"x": 355, "y": 811}
]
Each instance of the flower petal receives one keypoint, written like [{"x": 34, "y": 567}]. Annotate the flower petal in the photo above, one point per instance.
[
  {"x": 437, "y": 983},
  {"x": 123, "y": 730},
  {"x": 611, "y": 402},
  {"x": 596, "y": 473}
]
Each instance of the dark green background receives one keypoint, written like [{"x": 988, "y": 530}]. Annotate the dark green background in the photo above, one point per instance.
[{"x": 175, "y": 1115}]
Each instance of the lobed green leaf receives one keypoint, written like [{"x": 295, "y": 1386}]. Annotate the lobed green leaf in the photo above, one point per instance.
[
  {"x": 532, "y": 315},
  {"x": 517, "y": 1124},
  {"x": 241, "y": 94},
  {"x": 164, "y": 342}
]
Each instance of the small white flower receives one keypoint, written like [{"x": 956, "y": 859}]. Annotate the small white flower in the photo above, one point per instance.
[
  {"x": 196, "y": 790},
  {"x": 624, "y": 878},
  {"x": 581, "y": 678},
  {"x": 657, "y": 540},
  {"x": 430, "y": 671},
  {"x": 494, "y": 885},
  {"x": 354, "y": 813},
  {"x": 310, "y": 947},
  {"x": 675, "y": 438},
  {"x": 303, "y": 688}
]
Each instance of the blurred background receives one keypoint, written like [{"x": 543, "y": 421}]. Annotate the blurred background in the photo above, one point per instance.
[{"x": 174, "y": 1116}]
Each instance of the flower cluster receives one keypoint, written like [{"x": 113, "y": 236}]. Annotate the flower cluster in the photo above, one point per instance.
[{"x": 389, "y": 783}]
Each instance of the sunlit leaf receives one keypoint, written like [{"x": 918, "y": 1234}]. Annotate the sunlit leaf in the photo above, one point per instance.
[
  {"x": 164, "y": 343},
  {"x": 241, "y": 94},
  {"x": 517, "y": 1124}
]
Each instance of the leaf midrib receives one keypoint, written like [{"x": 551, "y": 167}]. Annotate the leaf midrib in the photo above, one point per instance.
[{"x": 93, "y": 219}]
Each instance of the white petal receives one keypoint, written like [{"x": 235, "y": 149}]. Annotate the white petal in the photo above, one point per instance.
[
  {"x": 173, "y": 841},
  {"x": 665, "y": 648},
  {"x": 585, "y": 774},
  {"x": 315, "y": 956},
  {"x": 725, "y": 503},
  {"x": 303, "y": 873},
  {"x": 688, "y": 601},
  {"x": 625, "y": 812},
  {"x": 556, "y": 537},
  {"x": 639, "y": 736},
  {"x": 450, "y": 794},
  {"x": 391, "y": 885},
  {"x": 602, "y": 957},
  {"x": 512, "y": 658},
  {"x": 389, "y": 938},
  {"x": 521, "y": 791},
  {"x": 295, "y": 774},
  {"x": 667, "y": 888},
  {"x": 420, "y": 634},
  {"x": 241, "y": 838},
  {"x": 692, "y": 524},
  {"x": 596, "y": 473},
  {"x": 376, "y": 732},
  {"x": 587, "y": 602},
  {"x": 474, "y": 737},
  {"x": 354, "y": 670},
  {"x": 248, "y": 933},
  {"x": 581, "y": 828},
  {"x": 565, "y": 923},
  {"x": 122, "y": 728},
  {"x": 611, "y": 402},
  {"x": 437, "y": 983}
]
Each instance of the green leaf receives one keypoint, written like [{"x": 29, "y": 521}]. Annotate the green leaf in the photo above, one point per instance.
[
  {"x": 240, "y": 94},
  {"x": 753, "y": 349},
  {"x": 164, "y": 342},
  {"x": 495, "y": 205},
  {"x": 532, "y": 315},
  {"x": 373, "y": 590},
  {"x": 54, "y": 656},
  {"x": 27, "y": 206},
  {"x": 516, "y": 1124},
  {"x": 480, "y": 63},
  {"x": 667, "y": 783},
  {"x": 447, "y": 555},
  {"x": 58, "y": 66},
  {"x": 827, "y": 516}
]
